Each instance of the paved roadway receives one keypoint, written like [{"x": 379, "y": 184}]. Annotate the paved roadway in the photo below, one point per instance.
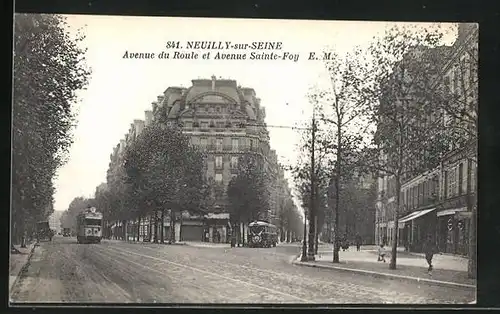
[{"x": 114, "y": 271}]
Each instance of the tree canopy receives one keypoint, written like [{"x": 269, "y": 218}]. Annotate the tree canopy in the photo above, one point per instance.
[
  {"x": 248, "y": 192},
  {"x": 48, "y": 69}
]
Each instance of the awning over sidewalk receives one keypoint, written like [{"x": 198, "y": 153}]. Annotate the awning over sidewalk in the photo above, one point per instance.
[
  {"x": 415, "y": 215},
  {"x": 451, "y": 211}
]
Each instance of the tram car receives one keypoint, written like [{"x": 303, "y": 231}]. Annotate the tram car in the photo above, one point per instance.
[
  {"x": 89, "y": 226},
  {"x": 262, "y": 234}
]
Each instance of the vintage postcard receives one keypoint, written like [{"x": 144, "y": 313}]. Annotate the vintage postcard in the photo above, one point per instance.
[{"x": 162, "y": 160}]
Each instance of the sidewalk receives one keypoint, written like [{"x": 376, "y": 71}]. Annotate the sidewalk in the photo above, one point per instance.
[
  {"x": 448, "y": 270},
  {"x": 18, "y": 261}
]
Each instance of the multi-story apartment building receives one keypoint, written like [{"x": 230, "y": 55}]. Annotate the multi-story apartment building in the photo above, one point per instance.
[
  {"x": 225, "y": 120},
  {"x": 439, "y": 201},
  {"x": 55, "y": 221}
]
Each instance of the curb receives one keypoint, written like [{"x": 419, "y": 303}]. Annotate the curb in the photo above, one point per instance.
[
  {"x": 24, "y": 268},
  {"x": 387, "y": 276}
]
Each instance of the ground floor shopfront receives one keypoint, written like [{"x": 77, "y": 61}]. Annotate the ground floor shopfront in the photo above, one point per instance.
[
  {"x": 448, "y": 228},
  {"x": 207, "y": 228}
]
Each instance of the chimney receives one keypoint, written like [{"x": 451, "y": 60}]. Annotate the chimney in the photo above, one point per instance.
[
  {"x": 148, "y": 117},
  {"x": 213, "y": 82},
  {"x": 139, "y": 126}
]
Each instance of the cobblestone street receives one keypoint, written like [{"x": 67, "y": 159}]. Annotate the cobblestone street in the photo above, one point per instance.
[{"x": 114, "y": 271}]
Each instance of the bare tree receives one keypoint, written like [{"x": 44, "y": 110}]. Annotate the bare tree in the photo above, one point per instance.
[
  {"x": 342, "y": 111},
  {"x": 406, "y": 60}
]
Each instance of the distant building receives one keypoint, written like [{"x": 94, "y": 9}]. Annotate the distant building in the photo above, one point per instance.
[{"x": 55, "y": 221}]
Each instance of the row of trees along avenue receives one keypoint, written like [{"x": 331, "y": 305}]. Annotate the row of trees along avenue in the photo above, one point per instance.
[
  {"x": 49, "y": 67},
  {"x": 382, "y": 114},
  {"x": 159, "y": 174}
]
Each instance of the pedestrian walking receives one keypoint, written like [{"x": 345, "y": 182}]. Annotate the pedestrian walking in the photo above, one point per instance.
[
  {"x": 358, "y": 242},
  {"x": 429, "y": 250},
  {"x": 381, "y": 253}
]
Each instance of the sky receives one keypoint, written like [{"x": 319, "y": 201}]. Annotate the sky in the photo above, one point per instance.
[{"x": 120, "y": 90}]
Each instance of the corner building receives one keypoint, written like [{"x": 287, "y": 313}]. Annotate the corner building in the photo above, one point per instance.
[{"x": 227, "y": 121}]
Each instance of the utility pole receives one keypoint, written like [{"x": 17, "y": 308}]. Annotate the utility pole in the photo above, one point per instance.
[{"x": 312, "y": 213}]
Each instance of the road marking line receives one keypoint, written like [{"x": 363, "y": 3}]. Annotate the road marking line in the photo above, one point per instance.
[{"x": 216, "y": 275}]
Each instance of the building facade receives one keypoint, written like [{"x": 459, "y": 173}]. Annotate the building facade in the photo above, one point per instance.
[
  {"x": 439, "y": 202},
  {"x": 226, "y": 121}
]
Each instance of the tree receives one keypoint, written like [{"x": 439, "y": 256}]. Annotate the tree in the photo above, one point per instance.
[
  {"x": 248, "y": 192},
  {"x": 165, "y": 172},
  {"x": 49, "y": 67},
  {"x": 342, "y": 109},
  {"x": 407, "y": 140}
]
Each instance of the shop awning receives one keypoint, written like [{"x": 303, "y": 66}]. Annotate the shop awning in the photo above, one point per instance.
[
  {"x": 451, "y": 211},
  {"x": 415, "y": 215}
]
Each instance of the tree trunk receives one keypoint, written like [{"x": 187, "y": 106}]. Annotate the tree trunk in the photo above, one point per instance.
[
  {"x": 172, "y": 226},
  {"x": 392, "y": 264},
  {"x": 139, "y": 228},
  {"x": 316, "y": 235},
  {"x": 336, "y": 243},
  {"x": 155, "y": 224},
  {"x": 162, "y": 235},
  {"x": 124, "y": 230}
]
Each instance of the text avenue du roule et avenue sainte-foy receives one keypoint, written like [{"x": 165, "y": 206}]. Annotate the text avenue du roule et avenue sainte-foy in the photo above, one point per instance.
[{"x": 254, "y": 51}]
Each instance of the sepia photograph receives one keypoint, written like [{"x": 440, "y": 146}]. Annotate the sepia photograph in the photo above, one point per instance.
[{"x": 175, "y": 160}]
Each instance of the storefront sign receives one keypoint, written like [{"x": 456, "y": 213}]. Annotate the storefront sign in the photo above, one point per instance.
[{"x": 450, "y": 224}]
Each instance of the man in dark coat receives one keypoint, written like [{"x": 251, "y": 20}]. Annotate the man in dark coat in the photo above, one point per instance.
[
  {"x": 429, "y": 249},
  {"x": 358, "y": 242}
]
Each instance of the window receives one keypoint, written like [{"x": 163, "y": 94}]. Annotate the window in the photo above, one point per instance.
[
  {"x": 218, "y": 177},
  {"x": 218, "y": 162},
  {"x": 251, "y": 143},
  {"x": 220, "y": 125},
  {"x": 188, "y": 125},
  {"x": 447, "y": 83},
  {"x": 407, "y": 203},
  {"x": 204, "y": 125},
  {"x": 235, "y": 143},
  {"x": 461, "y": 176},
  {"x": 218, "y": 143},
  {"x": 452, "y": 182},
  {"x": 234, "y": 162},
  {"x": 472, "y": 177},
  {"x": 203, "y": 142}
]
